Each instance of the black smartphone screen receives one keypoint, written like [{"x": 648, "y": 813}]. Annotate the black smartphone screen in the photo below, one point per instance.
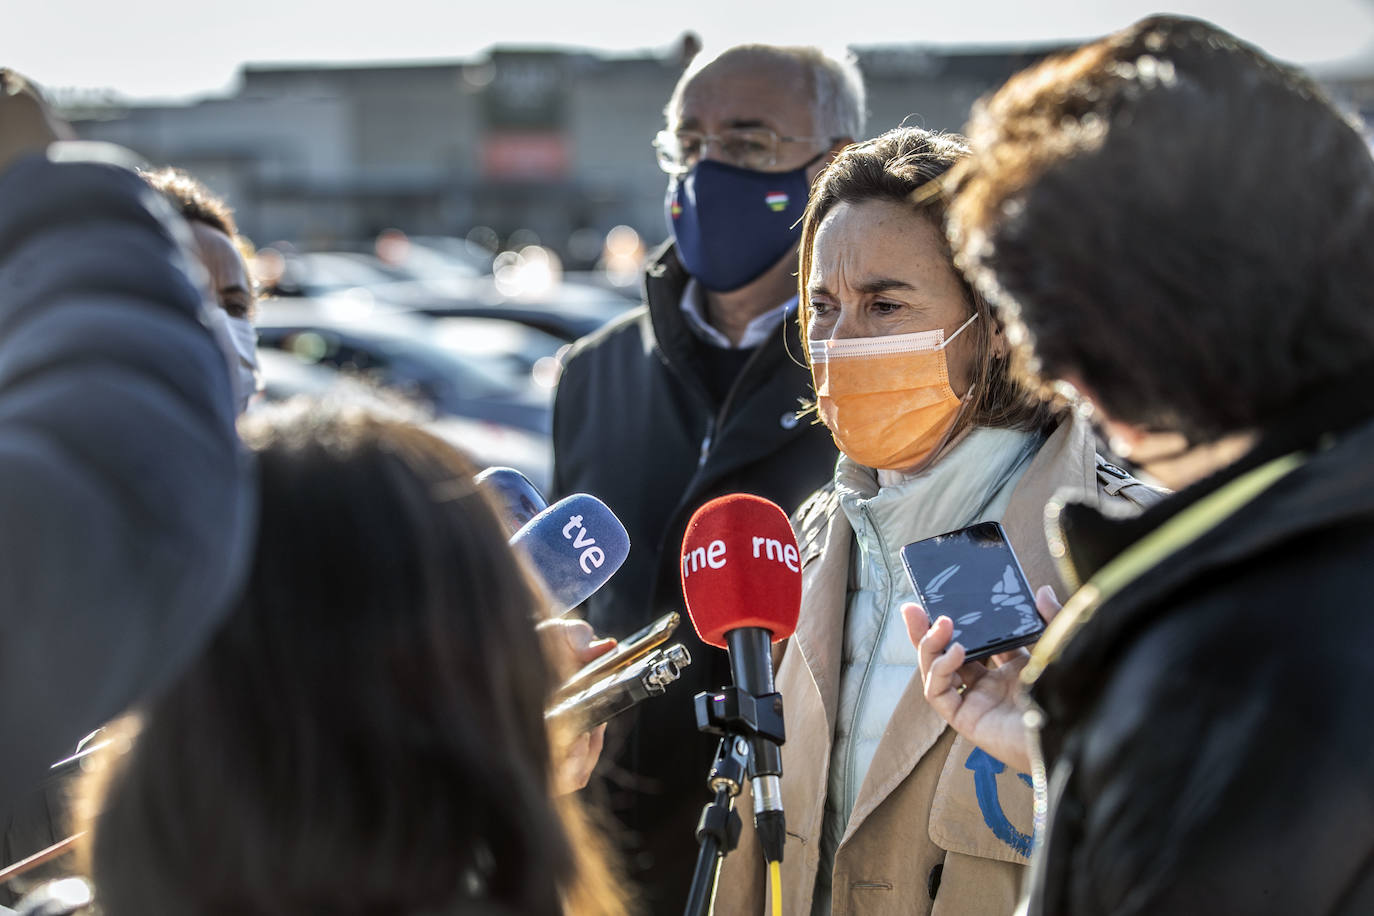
[{"x": 972, "y": 577}]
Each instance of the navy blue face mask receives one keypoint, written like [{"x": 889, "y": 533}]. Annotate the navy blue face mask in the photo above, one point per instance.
[{"x": 732, "y": 224}]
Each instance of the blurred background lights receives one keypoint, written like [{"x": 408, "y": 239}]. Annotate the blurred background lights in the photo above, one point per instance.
[
  {"x": 392, "y": 247},
  {"x": 530, "y": 272},
  {"x": 623, "y": 256},
  {"x": 267, "y": 267}
]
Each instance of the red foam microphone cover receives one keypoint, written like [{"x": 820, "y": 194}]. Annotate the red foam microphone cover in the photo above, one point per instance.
[{"x": 741, "y": 568}]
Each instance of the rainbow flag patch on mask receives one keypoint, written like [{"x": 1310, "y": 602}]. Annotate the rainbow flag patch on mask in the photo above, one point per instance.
[{"x": 776, "y": 201}]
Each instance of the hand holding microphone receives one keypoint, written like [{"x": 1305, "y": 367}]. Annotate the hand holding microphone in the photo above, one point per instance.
[
  {"x": 570, "y": 644},
  {"x": 575, "y": 546}
]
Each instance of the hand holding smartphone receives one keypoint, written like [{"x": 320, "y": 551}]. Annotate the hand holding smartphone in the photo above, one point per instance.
[
  {"x": 972, "y": 576},
  {"x": 622, "y": 689},
  {"x": 627, "y": 651}
]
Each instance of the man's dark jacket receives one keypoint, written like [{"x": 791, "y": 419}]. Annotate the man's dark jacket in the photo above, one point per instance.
[
  {"x": 1209, "y": 729},
  {"x": 635, "y": 425},
  {"x": 125, "y": 510}
]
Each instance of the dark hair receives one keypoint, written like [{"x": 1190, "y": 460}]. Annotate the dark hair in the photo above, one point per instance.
[
  {"x": 903, "y": 166},
  {"x": 366, "y": 733},
  {"x": 197, "y": 203},
  {"x": 193, "y": 200},
  {"x": 1176, "y": 220}
]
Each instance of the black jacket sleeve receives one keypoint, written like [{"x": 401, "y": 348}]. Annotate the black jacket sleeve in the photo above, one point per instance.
[
  {"x": 125, "y": 509},
  {"x": 1226, "y": 766}
]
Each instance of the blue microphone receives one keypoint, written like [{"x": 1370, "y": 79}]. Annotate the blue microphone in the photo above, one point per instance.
[
  {"x": 517, "y": 500},
  {"x": 576, "y": 545}
]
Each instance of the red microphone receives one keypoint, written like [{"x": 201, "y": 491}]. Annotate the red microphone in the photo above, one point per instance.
[
  {"x": 741, "y": 579},
  {"x": 740, "y": 568}
]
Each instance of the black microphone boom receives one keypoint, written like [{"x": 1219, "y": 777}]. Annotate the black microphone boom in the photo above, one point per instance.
[{"x": 751, "y": 667}]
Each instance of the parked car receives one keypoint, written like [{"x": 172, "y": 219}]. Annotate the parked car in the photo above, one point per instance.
[
  {"x": 401, "y": 351},
  {"x": 525, "y": 351},
  {"x": 488, "y": 444},
  {"x": 437, "y": 255},
  {"x": 565, "y": 310}
]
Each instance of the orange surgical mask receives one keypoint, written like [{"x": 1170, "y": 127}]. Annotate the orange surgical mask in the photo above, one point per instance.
[{"x": 886, "y": 400}]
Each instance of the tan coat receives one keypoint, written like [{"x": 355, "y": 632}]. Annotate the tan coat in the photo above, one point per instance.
[{"x": 918, "y": 823}]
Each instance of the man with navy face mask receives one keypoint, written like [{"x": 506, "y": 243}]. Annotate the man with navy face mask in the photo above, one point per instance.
[{"x": 696, "y": 394}]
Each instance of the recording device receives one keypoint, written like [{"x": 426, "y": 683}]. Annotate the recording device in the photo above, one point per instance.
[
  {"x": 620, "y": 690},
  {"x": 972, "y": 577},
  {"x": 741, "y": 579},
  {"x": 517, "y": 500},
  {"x": 576, "y": 545},
  {"x": 627, "y": 651}
]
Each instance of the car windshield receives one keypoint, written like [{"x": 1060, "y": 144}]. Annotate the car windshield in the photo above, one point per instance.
[
  {"x": 422, "y": 263},
  {"x": 401, "y": 354},
  {"x": 476, "y": 374},
  {"x": 484, "y": 337},
  {"x": 321, "y": 273},
  {"x": 521, "y": 353}
]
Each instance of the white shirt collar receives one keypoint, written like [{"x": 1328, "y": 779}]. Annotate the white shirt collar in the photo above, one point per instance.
[{"x": 756, "y": 332}]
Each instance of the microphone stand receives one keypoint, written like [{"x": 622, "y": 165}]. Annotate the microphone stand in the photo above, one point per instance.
[
  {"x": 740, "y": 719},
  {"x": 719, "y": 826}
]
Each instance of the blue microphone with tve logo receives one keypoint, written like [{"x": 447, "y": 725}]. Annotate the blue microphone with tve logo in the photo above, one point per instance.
[{"x": 576, "y": 545}]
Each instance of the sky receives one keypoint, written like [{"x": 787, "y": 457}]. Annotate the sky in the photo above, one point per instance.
[{"x": 161, "y": 49}]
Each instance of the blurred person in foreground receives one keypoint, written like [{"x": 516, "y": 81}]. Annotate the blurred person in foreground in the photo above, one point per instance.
[
  {"x": 887, "y": 808},
  {"x": 41, "y": 819},
  {"x": 125, "y": 505},
  {"x": 366, "y": 732},
  {"x": 222, "y": 252},
  {"x": 1180, "y": 228},
  {"x": 697, "y": 393}
]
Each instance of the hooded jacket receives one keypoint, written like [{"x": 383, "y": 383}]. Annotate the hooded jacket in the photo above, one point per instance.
[
  {"x": 125, "y": 497},
  {"x": 635, "y": 425}
]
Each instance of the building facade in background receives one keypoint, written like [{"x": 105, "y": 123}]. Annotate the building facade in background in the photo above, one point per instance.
[{"x": 551, "y": 142}]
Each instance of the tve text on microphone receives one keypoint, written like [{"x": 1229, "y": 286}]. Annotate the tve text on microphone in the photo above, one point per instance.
[{"x": 592, "y": 557}]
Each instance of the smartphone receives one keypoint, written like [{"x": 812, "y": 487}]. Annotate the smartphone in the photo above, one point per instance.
[
  {"x": 972, "y": 577},
  {"x": 622, "y": 689},
  {"x": 626, "y": 652}
]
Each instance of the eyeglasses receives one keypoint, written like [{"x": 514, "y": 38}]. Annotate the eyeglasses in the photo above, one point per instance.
[{"x": 754, "y": 148}]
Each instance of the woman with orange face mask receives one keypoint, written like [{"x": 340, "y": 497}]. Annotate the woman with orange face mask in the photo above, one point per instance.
[{"x": 887, "y": 809}]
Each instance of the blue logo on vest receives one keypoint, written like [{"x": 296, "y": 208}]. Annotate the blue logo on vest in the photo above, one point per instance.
[{"x": 985, "y": 769}]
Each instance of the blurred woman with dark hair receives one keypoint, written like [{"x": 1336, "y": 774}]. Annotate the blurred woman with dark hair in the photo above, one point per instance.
[
  {"x": 1180, "y": 228},
  {"x": 366, "y": 733}
]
